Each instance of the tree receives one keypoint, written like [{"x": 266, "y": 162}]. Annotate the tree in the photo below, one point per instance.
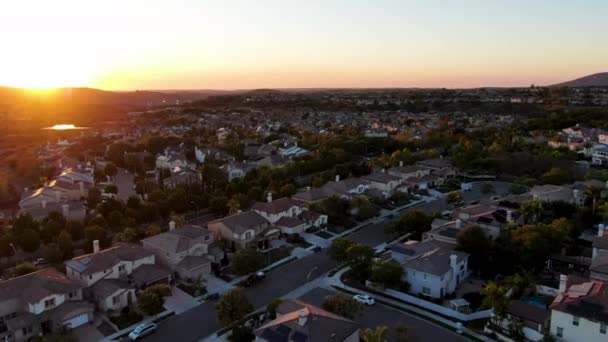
[
  {"x": 93, "y": 198},
  {"x": 29, "y": 240},
  {"x": 246, "y": 261},
  {"x": 76, "y": 229},
  {"x": 378, "y": 334},
  {"x": 25, "y": 268},
  {"x": 111, "y": 189},
  {"x": 386, "y": 273},
  {"x": 219, "y": 205},
  {"x": 531, "y": 211},
  {"x": 152, "y": 299},
  {"x": 110, "y": 170},
  {"x": 342, "y": 305},
  {"x": 403, "y": 333},
  {"x": 473, "y": 241},
  {"x": 241, "y": 334},
  {"x": 594, "y": 193},
  {"x": 64, "y": 242},
  {"x": 413, "y": 222},
  {"x": 153, "y": 229},
  {"x": 52, "y": 253},
  {"x": 363, "y": 209},
  {"x": 233, "y": 206},
  {"x": 6, "y": 245},
  {"x": 94, "y": 232},
  {"x": 360, "y": 258},
  {"x": 288, "y": 190},
  {"x": 271, "y": 309},
  {"x": 487, "y": 188},
  {"x": 232, "y": 307},
  {"x": 24, "y": 222},
  {"x": 337, "y": 249},
  {"x": 495, "y": 297},
  {"x": 454, "y": 197},
  {"x": 127, "y": 235},
  {"x": 49, "y": 230}
]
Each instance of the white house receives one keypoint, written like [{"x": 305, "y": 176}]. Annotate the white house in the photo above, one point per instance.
[
  {"x": 580, "y": 312},
  {"x": 387, "y": 184},
  {"x": 432, "y": 268}
]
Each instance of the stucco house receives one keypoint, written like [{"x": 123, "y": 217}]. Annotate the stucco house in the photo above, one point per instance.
[
  {"x": 244, "y": 230},
  {"x": 112, "y": 277},
  {"x": 184, "y": 250},
  {"x": 432, "y": 268},
  {"x": 42, "y": 302}
]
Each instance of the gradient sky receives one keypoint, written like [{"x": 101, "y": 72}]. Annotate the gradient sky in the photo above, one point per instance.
[{"x": 231, "y": 44}]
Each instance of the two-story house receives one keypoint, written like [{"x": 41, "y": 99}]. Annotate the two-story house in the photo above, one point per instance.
[
  {"x": 599, "y": 256},
  {"x": 432, "y": 268},
  {"x": 42, "y": 302},
  {"x": 289, "y": 215},
  {"x": 113, "y": 276},
  {"x": 409, "y": 171},
  {"x": 580, "y": 312},
  {"x": 184, "y": 250},
  {"x": 386, "y": 183},
  {"x": 244, "y": 230}
]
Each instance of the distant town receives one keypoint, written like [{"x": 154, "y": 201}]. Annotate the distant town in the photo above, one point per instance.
[{"x": 305, "y": 215}]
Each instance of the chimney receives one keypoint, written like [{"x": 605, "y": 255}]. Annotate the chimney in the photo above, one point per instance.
[
  {"x": 171, "y": 225},
  {"x": 509, "y": 216},
  {"x": 458, "y": 223},
  {"x": 401, "y": 163},
  {"x": 81, "y": 184},
  {"x": 302, "y": 317},
  {"x": 65, "y": 210},
  {"x": 269, "y": 197},
  {"x": 337, "y": 178},
  {"x": 563, "y": 281},
  {"x": 95, "y": 246}
]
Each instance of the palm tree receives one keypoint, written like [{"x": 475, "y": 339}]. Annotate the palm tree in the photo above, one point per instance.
[
  {"x": 495, "y": 298},
  {"x": 378, "y": 334},
  {"x": 594, "y": 192},
  {"x": 403, "y": 333}
]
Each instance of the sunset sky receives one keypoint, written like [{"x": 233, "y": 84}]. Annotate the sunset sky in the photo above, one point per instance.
[{"x": 232, "y": 44}]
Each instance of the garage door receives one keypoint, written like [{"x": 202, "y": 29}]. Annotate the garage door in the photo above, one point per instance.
[{"x": 76, "y": 321}]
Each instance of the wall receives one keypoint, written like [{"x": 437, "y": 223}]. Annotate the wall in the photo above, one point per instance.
[
  {"x": 442, "y": 310},
  {"x": 587, "y": 331},
  {"x": 38, "y": 307}
]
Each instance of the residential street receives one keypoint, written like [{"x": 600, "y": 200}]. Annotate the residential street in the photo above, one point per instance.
[
  {"x": 380, "y": 314},
  {"x": 200, "y": 321}
]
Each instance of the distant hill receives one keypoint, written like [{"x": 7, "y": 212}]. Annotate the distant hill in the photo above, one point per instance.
[
  {"x": 595, "y": 80},
  {"x": 81, "y": 105}
]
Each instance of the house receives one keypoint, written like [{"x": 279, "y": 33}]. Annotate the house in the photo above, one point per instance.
[
  {"x": 42, "y": 302},
  {"x": 184, "y": 250},
  {"x": 409, "y": 171},
  {"x": 181, "y": 176},
  {"x": 172, "y": 157},
  {"x": 599, "y": 154},
  {"x": 437, "y": 164},
  {"x": 599, "y": 257},
  {"x": 259, "y": 150},
  {"x": 235, "y": 170},
  {"x": 293, "y": 151},
  {"x": 533, "y": 319},
  {"x": 432, "y": 268},
  {"x": 299, "y": 321},
  {"x": 580, "y": 311},
  {"x": 272, "y": 161},
  {"x": 244, "y": 230},
  {"x": 112, "y": 276},
  {"x": 346, "y": 189},
  {"x": 385, "y": 183},
  {"x": 558, "y": 193},
  {"x": 274, "y": 210}
]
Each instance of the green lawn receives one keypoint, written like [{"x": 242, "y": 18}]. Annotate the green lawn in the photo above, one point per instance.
[{"x": 324, "y": 235}]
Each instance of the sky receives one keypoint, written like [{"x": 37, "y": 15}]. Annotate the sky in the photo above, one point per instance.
[{"x": 243, "y": 44}]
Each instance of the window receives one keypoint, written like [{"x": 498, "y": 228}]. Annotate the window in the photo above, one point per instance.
[
  {"x": 248, "y": 235},
  {"x": 426, "y": 290},
  {"x": 71, "y": 295},
  {"x": 90, "y": 276},
  {"x": 121, "y": 268},
  {"x": 603, "y": 328},
  {"x": 560, "y": 332},
  {"x": 424, "y": 276},
  {"x": 575, "y": 321},
  {"x": 27, "y": 330},
  {"x": 49, "y": 303},
  {"x": 115, "y": 299}
]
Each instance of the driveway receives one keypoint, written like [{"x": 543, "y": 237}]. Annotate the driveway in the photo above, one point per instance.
[
  {"x": 125, "y": 183},
  {"x": 179, "y": 301},
  {"x": 379, "y": 314},
  {"x": 87, "y": 332}
]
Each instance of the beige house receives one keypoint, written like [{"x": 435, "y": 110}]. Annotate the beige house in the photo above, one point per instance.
[
  {"x": 244, "y": 230},
  {"x": 39, "y": 303},
  {"x": 113, "y": 276},
  {"x": 185, "y": 250}
]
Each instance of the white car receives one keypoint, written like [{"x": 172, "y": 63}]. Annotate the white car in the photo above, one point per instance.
[
  {"x": 142, "y": 330},
  {"x": 364, "y": 299}
]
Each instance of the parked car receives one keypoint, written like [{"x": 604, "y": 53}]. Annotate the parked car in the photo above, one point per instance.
[
  {"x": 142, "y": 330},
  {"x": 39, "y": 262},
  {"x": 364, "y": 299},
  {"x": 254, "y": 278},
  {"x": 316, "y": 249}
]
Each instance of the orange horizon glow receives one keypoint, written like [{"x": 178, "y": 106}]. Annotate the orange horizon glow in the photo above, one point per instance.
[{"x": 237, "y": 44}]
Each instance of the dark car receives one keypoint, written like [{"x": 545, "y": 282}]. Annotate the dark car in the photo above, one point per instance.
[{"x": 212, "y": 296}]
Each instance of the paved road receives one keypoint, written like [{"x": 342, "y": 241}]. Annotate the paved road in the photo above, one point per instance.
[
  {"x": 380, "y": 314},
  {"x": 200, "y": 322},
  {"x": 124, "y": 182}
]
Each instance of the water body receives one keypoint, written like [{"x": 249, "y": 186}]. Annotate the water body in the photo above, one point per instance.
[{"x": 65, "y": 127}]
